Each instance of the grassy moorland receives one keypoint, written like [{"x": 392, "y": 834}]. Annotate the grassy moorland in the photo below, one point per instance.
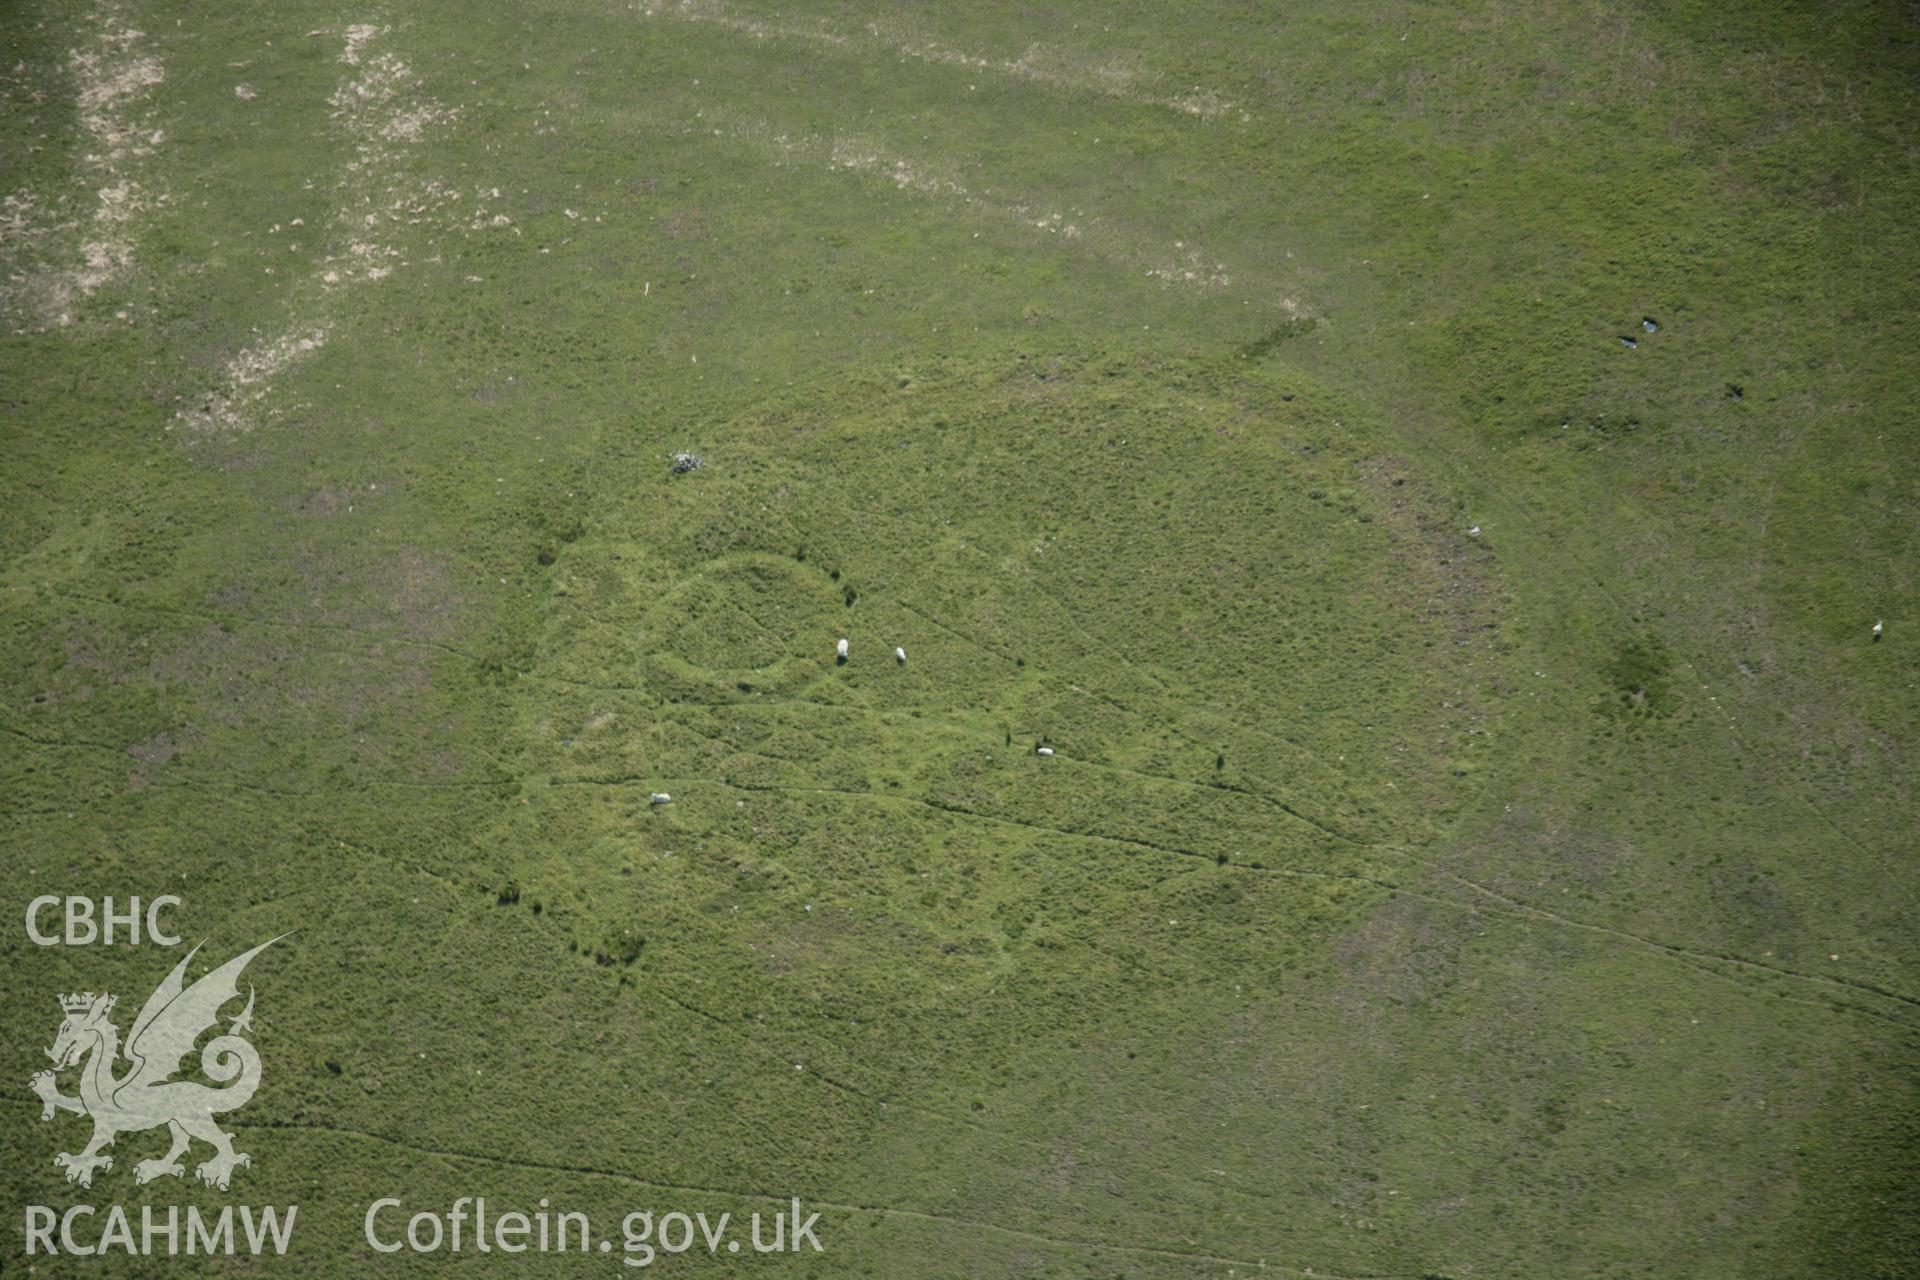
[{"x": 1479, "y": 836}]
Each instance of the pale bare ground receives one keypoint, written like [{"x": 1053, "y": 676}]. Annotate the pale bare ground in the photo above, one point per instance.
[
  {"x": 1051, "y": 66},
  {"x": 114, "y": 78},
  {"x": 79, "y": 252},
  {"x": 385, "y": 114},
  {"x": 1180, "y": 263}
]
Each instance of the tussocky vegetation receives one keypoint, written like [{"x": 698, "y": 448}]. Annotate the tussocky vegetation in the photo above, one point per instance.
[{"x": 1397, "y": 900}]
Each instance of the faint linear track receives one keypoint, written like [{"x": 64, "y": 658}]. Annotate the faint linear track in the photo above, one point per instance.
[
  {"x": 1037, "y": 66},
  {"x": 781, "y": 1056},
  {"x": 892, "y": 1211},
  {"x": 1511, "y": 905},
  {"x": 1699, "y": 959}
]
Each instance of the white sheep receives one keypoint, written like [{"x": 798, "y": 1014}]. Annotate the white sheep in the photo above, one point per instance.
[
  {"x": 1876, "y": 630},
  {"x": 1043, "y": 751},
  {"x": 841, "y": 649},
  {"x": 660, "y": 797},
  {"x": 900, "y": 655}
]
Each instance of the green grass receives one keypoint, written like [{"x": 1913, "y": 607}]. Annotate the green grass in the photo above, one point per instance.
[{"x": 1397, "y": 902}]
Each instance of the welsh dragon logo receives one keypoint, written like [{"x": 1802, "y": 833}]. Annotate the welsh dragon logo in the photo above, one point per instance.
[{"x": 145, "y": 1097}]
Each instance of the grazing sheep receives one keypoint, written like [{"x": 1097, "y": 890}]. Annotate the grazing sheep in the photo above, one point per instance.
[
  {"x": 840, "y": 650},
  {"x": 1876, "y": 632},
  {"x": 1043, "y": 751},
  {"x": 660, "y": 797},
  {"x": 900, "y": 656},
  {"x": 1474, "y": 532}
]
